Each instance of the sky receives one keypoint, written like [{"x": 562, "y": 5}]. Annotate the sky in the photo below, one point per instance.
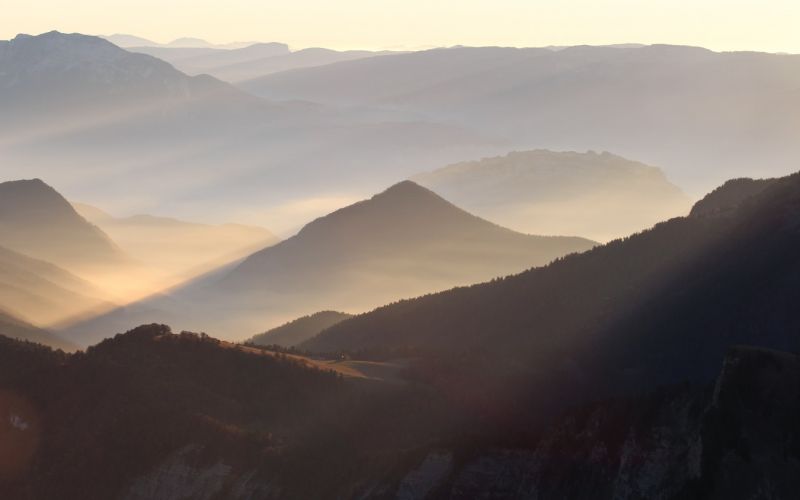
[{"x": 764, "y": 25}]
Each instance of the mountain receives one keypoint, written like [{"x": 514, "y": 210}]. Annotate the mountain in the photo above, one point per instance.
[
  {"x": 703, "y": 116},
  {"x": 73, "y": 105},
  {"x": 162, "y": 399},
  {"x": 42, "y": 293},
  {"x": 300, "y": 329},
  {"x": 543, "y": 192},
  {"x": 195, "y": 61},
  {"x": 659, "y": 307},
  {"x": 253, "y": 61},
  {"x": 36, "y": 220},
  {"x": 178, "y": 248},
  {"x": 124, "y": 41},
  {"x": 400, "y": 243},
  {"x": 187, "y": 416}
]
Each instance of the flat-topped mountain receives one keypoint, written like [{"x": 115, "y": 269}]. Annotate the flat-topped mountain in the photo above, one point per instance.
[
  {"x": 703, "y": 116},
  {"x": 600, "y": 196},
  {"x": 78, "y": 107}
]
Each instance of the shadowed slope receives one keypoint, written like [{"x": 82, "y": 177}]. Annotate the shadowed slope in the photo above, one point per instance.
[
  {"x": 299, "y": 330},
  {"x": 610, "y": 319},
  {"x": 402, "y": 242}
]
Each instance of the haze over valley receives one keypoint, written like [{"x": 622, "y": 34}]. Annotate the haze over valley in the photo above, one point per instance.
[{"x": 267, "y": 267}]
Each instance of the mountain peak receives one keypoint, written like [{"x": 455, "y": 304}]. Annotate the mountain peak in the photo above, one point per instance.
[
  {"x": 37, "y": 221},
  {"x": 16, "y": 196},
  {"x": 407, "y": 189}
]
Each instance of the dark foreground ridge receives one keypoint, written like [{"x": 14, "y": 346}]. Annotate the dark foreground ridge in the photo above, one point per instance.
[{"x": 154, "y": 415}]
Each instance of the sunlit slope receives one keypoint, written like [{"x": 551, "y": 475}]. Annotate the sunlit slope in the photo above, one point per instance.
[
  {"x": 44, "y": 294},
  {"x": 400, "y": 243},
  {"x": 176, "y": 249}
]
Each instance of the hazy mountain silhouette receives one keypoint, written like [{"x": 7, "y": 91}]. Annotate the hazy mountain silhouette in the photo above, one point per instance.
[
  {"x": 75, "y": 106},
  {"x": 600, "y": 196},
  {"x": 37, "y": 221},
  {"x": 703, "y": 116},
  {"x": 404, "y": 234},
  {"x": 132, "y": 41},
  {"x": 402, "y": 242},
  {"x": 178, "y": 248},
  {"x": 125, "y": 41},
  {"x": 42, "y": 293},
  {"x": 300, "y": 329},
  {"x": 659, "y": 307},
  {"x": 247, "y": 63}
]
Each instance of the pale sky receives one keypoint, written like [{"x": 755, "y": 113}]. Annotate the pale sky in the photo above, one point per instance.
[{"x": 767, "y": 25}]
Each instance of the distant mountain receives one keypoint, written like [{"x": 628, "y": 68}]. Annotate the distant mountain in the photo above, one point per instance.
[
  {"x": 73, "y": 105},
  {"x": 659, "y": 307},
  {"x": 37, "y": 221},
  {"x": 299, "y": 330},
  {"x": 403, "y": 241},
  {"x": 400, "y": 243},
  {"x": 124, "y": 41},
  {"x": 177, "y": 247},
  {"x": 129, "y": 41},
  {"x": 53, "y": 76},
  {"x": 600, "y": 196},
  {"x": 703, "y": 116},
  {"x": 247, "y": 63},
  {"x": 195, "y": 61},
  {"x": 42, "y": 293}
]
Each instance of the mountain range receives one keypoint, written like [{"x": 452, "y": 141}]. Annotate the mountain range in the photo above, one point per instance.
[
  {"x": 73, "y": 103},
  {"x": 248, "y": 63},
  {"x": 703, "y": 116},
  {"x": 400, "y": 243},
  {"x": 659, "y": 307}
]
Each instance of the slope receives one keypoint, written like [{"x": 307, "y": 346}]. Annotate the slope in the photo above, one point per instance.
[
  {"x": 300, "y": 329},
  {"x": 656, "y": 308}
]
